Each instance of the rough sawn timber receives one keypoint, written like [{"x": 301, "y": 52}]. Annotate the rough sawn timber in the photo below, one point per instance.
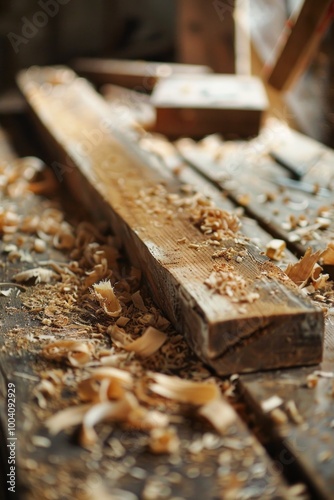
[{"x": 115, "y": 180}]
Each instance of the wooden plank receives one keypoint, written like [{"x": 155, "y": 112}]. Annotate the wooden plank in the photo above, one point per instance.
[
  {"x": 136, "y": 75},
  {"x": 257, "y": 183},
  {"x": 167, "y": 151},
  {"x": 52, "y": 467},
  {"x": 306, "y": 445},
  {"x": 299, "y": 153},
  {"x": 130, "y": 106},
  {"x": 109, "y": 176},
  {"x": 298, "y": 42}
]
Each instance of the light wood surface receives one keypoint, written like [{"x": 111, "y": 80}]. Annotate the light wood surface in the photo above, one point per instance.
[{"x": 110, "y": 176}]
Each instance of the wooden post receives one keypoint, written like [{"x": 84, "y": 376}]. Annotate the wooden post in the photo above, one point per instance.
[
  {"x": 298, "y": 42},
  {"x": 206, "y": 34}
]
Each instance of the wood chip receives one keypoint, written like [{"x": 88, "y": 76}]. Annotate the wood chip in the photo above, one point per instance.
[
  {"x": 104, "y": 293},
  {"x": 184, "y": 391}
]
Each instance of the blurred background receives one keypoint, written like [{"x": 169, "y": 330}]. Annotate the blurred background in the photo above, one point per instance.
[{"x": 191, "y": 31}]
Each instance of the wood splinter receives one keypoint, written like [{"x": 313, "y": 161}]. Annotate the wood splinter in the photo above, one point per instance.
[{"x": 262, "y": 323}]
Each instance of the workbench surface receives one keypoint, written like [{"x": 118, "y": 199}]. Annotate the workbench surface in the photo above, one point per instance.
[{"x": 276, "y": 436}]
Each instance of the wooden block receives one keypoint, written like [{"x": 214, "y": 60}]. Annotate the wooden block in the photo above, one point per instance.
[
  {"x": 118, "y": 182},
  {"x": 136, "y": 75},
  {"x": 227, "y": 104},
  {"x": 298, "y": 42}
]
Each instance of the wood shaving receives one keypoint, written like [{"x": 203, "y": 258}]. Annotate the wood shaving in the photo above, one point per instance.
[
  {"x": 39, "y": 245},
  {"x": 45, "y": 389},
  {"x": 327, "y": 256},
  {"x": 271, "y": 403},
  {"x": 293, "y": 412},
  {"x": 66, "y": 418},
  {"x": 301, "y": 272},
  {"x": 219, "y": 413},
  {"x": 111, "y": 411},
  {"x": 41, "y": 275},
  {"x": 184, "y": 391},
  {"x": 226, "y": 281},
  {"x": 278, "y": 416},
  {"x": 275, "y": 249},
  {"x": 122, "y": 321},
  {"x": 215, "y": 222},
  {"x": 105, "y": 384},
  {"x": 149, "y": 343},
  {"x": 77, "y": 353},
  {"x": 104, "y": 293},
  {"x": 138, "y": 302}
]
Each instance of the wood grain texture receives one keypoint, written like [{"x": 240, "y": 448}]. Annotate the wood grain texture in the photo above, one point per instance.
[
  {"x": 111, "y": 175},
  {"x": 63, "y": 469},
  {"x": 298, "y": 43},
  {"x": 307, "y": 446},
  {"x": 256, "y": 182}
]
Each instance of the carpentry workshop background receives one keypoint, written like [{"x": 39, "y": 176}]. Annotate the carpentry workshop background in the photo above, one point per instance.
[{"x": 167, "y": 249}]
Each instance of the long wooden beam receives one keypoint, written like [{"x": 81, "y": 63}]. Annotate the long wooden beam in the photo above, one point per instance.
[
  {"x": 298, "y": 43},
  {"x": 264, "y": 322}
]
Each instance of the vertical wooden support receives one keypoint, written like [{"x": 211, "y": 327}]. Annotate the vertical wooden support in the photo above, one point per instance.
[
  {"x": 298, "y": 42},
  {"x": 206, "y": 34}
]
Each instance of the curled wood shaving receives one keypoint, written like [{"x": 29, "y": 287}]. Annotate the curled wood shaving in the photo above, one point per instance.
[
  {"x": 104, "y": 384},
  {"x": 39, "y": 245},
  {"x": 30, "y": 224},
  {"x": 317, "y": 279},
  {"x": 77, "y": 353},
  {"x": 45, "y": 389},
  {"x": 111, "y": 411},
  {"x": 301, "y": 272},
  {"x": 219, "y": 413},
  {"x": 119, "y": 336},
  {"x": 327, "y": 256},
  {"x": 63, "y": 240},
  {"x": 66, "y": 418},
  {"x": 41, "y": 275},
  {"x": 99, "y": 272},
  {"x": 275, "y": 249},
  {"x": 105, "y": 294},
  {"x": 9, "y": 221},
  {"x": 184, "y": 391},
  {"x": 144, "y": 346},
  {"x": 149, "y": 343}
]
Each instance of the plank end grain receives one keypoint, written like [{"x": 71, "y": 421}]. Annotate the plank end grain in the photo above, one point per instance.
[{"x": 269, "y": 325}]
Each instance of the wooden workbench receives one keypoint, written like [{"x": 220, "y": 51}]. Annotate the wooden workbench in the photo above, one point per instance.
[{"x": 263, "y": 453}]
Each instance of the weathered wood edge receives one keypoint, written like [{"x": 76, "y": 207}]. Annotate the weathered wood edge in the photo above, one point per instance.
[
  {"x": 264, "y": 214},
  {"x": 66, "y": 456},
  {"x": 164, "y": 285}
]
